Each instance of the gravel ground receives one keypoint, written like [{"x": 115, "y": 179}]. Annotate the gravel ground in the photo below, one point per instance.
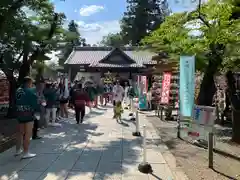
[{"x": 194, "y": 160}]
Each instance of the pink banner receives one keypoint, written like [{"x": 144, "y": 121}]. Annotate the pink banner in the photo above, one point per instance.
[{"x": 166, "y": 83}]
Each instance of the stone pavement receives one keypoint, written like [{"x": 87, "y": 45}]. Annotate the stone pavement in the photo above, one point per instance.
[{"x": 98, "y": 149}]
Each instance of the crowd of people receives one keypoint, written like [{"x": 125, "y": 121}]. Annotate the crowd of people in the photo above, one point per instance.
[{"x": 47, "y": 103}]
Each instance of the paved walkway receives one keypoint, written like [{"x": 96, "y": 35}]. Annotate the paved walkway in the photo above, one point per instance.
[{"x": 99, "y": 149}]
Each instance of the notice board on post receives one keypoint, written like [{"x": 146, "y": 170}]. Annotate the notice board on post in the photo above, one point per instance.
[{"x": 196, "y": 122}]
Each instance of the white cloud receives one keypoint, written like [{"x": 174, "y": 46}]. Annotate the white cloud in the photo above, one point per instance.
[
  {"x": 90, "y": 10},
  {"x": 94, "y": 32}
]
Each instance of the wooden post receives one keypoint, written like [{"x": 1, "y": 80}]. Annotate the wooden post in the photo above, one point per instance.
[
  {"x": 158, "y": 110},
  {"x": 178, "y": 126},
  {"x": 69, "y": 74},
  {"x": 161, "y": 108},
  {"x": 210, "y": 150}
]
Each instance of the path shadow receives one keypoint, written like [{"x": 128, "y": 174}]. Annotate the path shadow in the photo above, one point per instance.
[
  {"x": 102, "y": 108},
  {"x": 156, "y": 177},
  {"x": 229, "y": 177},
  {"x": 93, "y": 112},
  {"x": 123, "y": 124},
  {"x": 55, "y": 141},
  {"x": 128, "y": 120},
  {"x": 63, "y": 154},
  {"x": 108, "y": 106}
]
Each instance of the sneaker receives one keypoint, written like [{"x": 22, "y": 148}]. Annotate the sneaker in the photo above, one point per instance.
[
  {"x": 18, "y": 152},
  {"x": 28, "y": 155}
]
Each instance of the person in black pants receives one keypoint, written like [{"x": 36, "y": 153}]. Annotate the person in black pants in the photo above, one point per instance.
[
  {"x": 80, "y": 97},
  {"x": 35, "y": 129},
  {"x": 79, "y": 113}
]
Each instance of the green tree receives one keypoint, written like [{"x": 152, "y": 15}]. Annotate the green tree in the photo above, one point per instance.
[
  {"x": 141, "y": 18},
  {"x": 212, "y": 45},
  {"x": 72, "y": 38},
  {"x": 216, "y": 46},
  {"x": 26, "y": 37},
  {"x": 114, "y": 40}
]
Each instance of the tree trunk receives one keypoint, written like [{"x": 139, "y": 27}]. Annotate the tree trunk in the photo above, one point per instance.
[
  {"x": 12, "y": 97},
  {"x": 23, "y": 72},
  {"x": 236, "y": 126},
  {"x": 235, "y": 106},
  {"x": 208, "y": 88}
]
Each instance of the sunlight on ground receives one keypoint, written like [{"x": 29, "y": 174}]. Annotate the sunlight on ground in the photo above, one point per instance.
[{"x": 55, "y": 135}]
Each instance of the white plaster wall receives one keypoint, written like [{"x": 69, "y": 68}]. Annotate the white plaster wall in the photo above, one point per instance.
[{"x": 87, "y": 75}]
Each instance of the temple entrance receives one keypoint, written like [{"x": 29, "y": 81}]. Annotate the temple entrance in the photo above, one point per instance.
[{"x": 123, "y": 81}]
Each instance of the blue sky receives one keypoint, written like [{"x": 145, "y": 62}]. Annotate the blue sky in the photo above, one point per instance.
[{"x": 97, "y": 18}]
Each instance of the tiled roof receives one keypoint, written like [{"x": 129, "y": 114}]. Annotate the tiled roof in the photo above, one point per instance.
[
  {"x": 92, "y": 55},
  {"x": 134, "y": 65}
]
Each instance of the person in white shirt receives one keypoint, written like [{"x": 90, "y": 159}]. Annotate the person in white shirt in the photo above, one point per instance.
[
  {"x": 118, "y": 93},
  {"x": 149, "y": 99}
]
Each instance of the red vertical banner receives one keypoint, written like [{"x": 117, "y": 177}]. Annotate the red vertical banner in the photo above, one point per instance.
[{"x": 166, "y": 83}]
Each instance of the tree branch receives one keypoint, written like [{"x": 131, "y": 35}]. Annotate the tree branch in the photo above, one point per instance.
[
  {"x": 44, "y": 44},
  {"x": 200, "y": 16},
  {"x": 19, "y": 57}
]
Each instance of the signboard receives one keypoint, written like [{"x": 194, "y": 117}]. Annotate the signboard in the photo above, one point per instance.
[
  {"x": 187, "y": 83},
  {"x": 204, "y": 115},
  {"x": 200, "y": 124},
  {"x": 166, "y": 83},
  {"x": 142, "y": 89}
]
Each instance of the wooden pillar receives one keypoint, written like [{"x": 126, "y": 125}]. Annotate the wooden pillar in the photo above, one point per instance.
[{"x": 69, "y": 73}]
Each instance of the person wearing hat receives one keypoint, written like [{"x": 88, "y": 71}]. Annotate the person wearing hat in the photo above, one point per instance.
[{"x": 26, "y": 106}]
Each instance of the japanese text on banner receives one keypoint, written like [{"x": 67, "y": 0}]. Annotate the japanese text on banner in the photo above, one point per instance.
[
  {"x": 166, "y": 83},
  {"x": 187, "y": 84}
]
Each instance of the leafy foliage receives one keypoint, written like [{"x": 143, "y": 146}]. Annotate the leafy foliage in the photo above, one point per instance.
[
  {"x": 114, "y": 40},
  {"x": 141, "y": 18},
  {"x": 71, "y": 38},
  {"x": 28, "y": 30},
  {"x": 28, "y": 36},
  {"x": 186, "y": 33}
]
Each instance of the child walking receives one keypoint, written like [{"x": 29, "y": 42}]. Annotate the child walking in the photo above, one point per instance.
[{"x": 118, "y": 111}]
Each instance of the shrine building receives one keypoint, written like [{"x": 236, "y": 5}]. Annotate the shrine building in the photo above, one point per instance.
[{"x": 125, "y": 62}]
